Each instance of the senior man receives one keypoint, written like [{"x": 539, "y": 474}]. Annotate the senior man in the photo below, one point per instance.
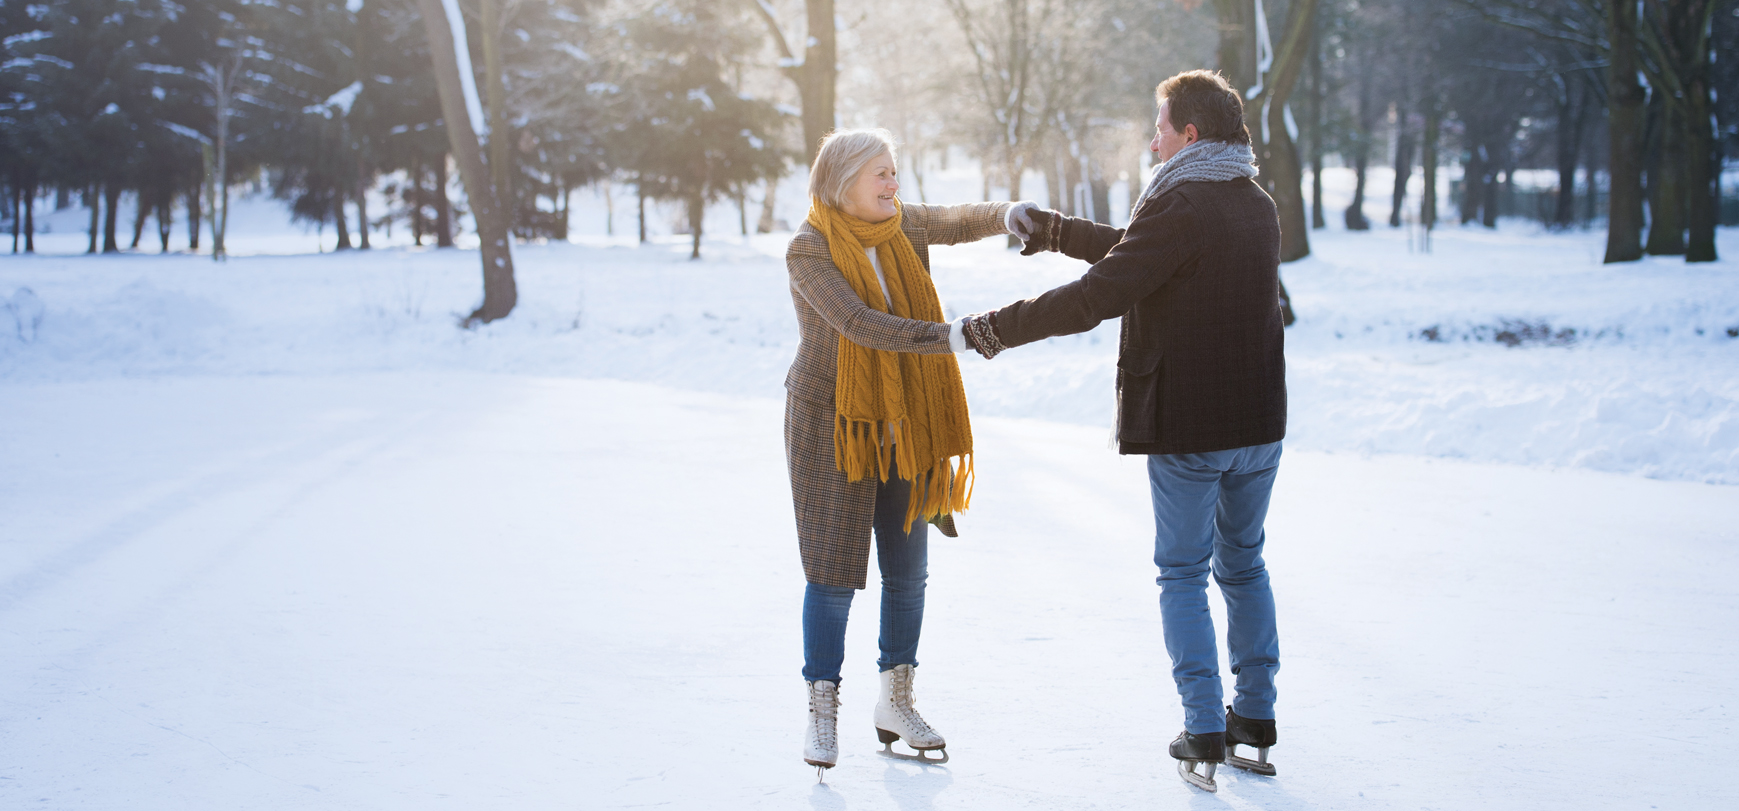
[{"x": 1201, "y": 391}]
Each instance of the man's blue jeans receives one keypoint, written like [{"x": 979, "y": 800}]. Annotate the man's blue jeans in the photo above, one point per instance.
[
  {"x": 904, "y": 562},
  {"x": 1209, "y": 509}
]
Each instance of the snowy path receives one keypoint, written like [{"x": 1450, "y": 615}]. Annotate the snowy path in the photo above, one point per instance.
[{"x": 467, "y": 591}]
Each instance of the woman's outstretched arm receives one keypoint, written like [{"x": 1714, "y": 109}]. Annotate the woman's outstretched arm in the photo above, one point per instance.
[
  {"x": 815, "y": 277},
  {"x": 952, "y": 225}
]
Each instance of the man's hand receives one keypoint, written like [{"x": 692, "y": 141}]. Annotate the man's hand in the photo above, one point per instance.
[
  {"x": 981, "y": 335},
  {"x": 1043, "y": 228}
]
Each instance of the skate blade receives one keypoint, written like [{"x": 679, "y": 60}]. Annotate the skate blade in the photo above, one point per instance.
[
  {"x": 918, "y": 756},
  {"x": 1187, "y": 770},
  {"x": 1260, "y": 765}
]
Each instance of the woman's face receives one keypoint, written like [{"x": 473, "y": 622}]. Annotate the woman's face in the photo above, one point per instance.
[{"x": 871, "y": 196}]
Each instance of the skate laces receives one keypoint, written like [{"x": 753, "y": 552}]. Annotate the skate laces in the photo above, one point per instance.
[
  {"x": 824, "y": 704},
  {"x": 900, "y": 693}
]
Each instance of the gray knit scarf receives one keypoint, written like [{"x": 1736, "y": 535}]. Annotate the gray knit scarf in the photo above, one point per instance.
[{"x": 1211, "y": 161}]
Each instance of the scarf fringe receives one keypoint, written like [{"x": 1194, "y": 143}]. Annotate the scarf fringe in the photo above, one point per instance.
[{"x": 944, "y": 487}]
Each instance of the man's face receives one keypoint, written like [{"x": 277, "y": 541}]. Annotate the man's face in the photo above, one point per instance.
[{"x": 1167, "y": 141}]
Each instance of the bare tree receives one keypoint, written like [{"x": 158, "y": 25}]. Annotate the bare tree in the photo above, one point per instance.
[
  {"x": 1006, "y": 38},
  {"x": 224, "y": 79}
]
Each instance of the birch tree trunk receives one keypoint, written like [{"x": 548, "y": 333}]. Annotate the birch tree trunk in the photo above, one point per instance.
[{"x": 451, "y": 61}]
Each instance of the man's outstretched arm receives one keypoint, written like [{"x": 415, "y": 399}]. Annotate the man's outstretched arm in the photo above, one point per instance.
[{"x": 1163, "y": 240}]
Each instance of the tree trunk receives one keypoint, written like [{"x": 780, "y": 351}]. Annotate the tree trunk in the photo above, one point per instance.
[
  {"x": 1702, "y": 169},
  {"x": 1428, "y": 161},
  {"x": 443, "y": 206},
  {"x": 640, "y": 202},
  {"x": 16, "y": 203},
  {"x": 819, "y": 76},
  {"x": 141, "y": 212},
  {"x": 1472, "y": 170},
  {"x": 446, "y": 32},
  {"x": 361, "y": 203},
  {"x": 609, "y": 209},
  {"x": 495, "y": 95},
  {"x": 194, "y": 215},
  {"x": 414, "y": 201},
  {"x": 1355, "y": 215},
  {"x": 1403, "y": 165},
  {"x": 567, "y": 206},
  {"x": 1666, "y": 183},
  {"x": 696, "y": 213},
  {"x": 1101, "y": 190},
  {"x": 1489, "y": 205},
  {"x": 165, "y": 219},
  {"x": 1569, "y": 138},
  {"x": 30, "y": 217},
  {"x": 768, "y": 222},
  {"x": 816, "y": 76},
  {"x": 916, "y": 157},
  {"x": 95, "y": 201},
  {"x": 1054, "y": 183},
  {"x": 1288, "y": 188},
  {"x": 1284, "y": 173},
  {"x": 111, "y": 202},
  {"x": 1317, "y": 220},
  {"x": 342, "y": 224},
  {"x": 220, "y": 215},
  {"x": 1236, "y": 53}
]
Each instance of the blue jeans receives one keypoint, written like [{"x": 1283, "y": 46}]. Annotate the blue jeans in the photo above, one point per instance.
[
  {"x": 904, "y": 562},
  {"x": 1209, "y": 509}
]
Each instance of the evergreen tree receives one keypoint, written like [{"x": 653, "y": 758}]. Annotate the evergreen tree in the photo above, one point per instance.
[{"x": 689, "y": 136}]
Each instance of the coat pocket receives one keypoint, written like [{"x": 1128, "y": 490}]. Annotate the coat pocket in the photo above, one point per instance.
[{"x": 1138, "y": 374}]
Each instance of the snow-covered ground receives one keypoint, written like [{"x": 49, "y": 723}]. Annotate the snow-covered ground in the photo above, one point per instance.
[
  {"x": 275, "y": 534},
  {"x": 1512, "y": 346}
]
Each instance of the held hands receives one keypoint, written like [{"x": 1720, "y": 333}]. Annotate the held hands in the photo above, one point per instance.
[
  {"x": 1019, "y": 219},
  {"x": 981, "y": 335},
  {"x": 1041, "y": 229}
]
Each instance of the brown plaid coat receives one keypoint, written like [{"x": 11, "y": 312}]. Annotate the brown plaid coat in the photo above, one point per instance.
[{"x": 833, "y": 515}]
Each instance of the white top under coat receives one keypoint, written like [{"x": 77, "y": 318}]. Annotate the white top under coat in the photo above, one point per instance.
[{"x": 956, "y": 330}]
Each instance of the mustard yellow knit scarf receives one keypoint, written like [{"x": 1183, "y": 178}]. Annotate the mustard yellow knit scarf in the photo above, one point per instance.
[{"x": 913, "y": 403}]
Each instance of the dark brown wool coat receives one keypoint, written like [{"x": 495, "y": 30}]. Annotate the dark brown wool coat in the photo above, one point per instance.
[
  {"x": 1201, "y": 365},
  {"x": 834, "y": 515}
]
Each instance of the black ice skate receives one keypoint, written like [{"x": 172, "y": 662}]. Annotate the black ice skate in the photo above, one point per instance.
[
  {"x": 1249, "y": 732},
  {"x": 1208, "y": 748}
]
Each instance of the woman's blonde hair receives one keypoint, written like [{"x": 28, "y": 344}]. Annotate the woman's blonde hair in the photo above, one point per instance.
[{"x": 843, "y": 154}]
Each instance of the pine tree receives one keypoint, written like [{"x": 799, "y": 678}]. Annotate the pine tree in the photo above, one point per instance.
[{"x": 690, "y": 137}]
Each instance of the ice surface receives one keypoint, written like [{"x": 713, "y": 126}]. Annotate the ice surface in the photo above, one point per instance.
[{"x": 383, "y": 591}]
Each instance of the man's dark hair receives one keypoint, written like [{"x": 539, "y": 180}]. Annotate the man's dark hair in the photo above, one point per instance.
[{"x": 1205, "y": 99}]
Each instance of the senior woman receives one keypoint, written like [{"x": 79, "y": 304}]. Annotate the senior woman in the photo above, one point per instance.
[{"x": 876, "y": 428}]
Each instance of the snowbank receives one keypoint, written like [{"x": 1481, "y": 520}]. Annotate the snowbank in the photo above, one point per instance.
[{"x": 1513, "y": 346}]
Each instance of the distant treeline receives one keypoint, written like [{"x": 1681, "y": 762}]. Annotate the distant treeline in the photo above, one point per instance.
[{"x": 699, "y": 100}]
